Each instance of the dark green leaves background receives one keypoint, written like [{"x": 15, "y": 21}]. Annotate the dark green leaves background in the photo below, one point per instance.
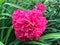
[{"x": 51, "y": 36}]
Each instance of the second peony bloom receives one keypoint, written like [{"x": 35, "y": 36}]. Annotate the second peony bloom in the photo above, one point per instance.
[{"x": 29, "y": 25}]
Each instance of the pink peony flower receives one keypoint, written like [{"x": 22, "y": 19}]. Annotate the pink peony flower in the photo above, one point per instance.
[
  {"x": 40, "y": 6},
  {"x": 28, "y": 25}
]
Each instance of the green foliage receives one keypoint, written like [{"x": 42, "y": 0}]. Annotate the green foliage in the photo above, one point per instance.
[
  {"x": 52, "y": 13},
  {"x": 1, "y": 1},
  {"x": 1, "y": 43}
]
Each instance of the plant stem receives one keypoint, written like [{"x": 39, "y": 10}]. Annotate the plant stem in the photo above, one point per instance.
[{"x": 8, "y": 34}]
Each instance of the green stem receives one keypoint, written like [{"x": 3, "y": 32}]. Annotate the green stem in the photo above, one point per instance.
[
  {"x": 2, "y": 34},
  {"x": 2, "y": 31},
  {"x": 2, "y": 24},
  {"x": 8, "y": 34}
]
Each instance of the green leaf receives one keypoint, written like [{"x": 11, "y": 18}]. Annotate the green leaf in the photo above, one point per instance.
[
  {"x": 1, "y": 1},
  {"x": 3, "y": 27},
  {"x": 38, "y": 43},
  {"x": 6, "y": 14},
  {"x": 50, "y": 36},
  {"x": 3, "y": 18},
  {"x": 53, "y": 20},
  {"x": 46, "y": 2},
  {"x": 15, "y": 42},
  {"x": 14, "y": 5},
  {"x": 1, "y": 43}
]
